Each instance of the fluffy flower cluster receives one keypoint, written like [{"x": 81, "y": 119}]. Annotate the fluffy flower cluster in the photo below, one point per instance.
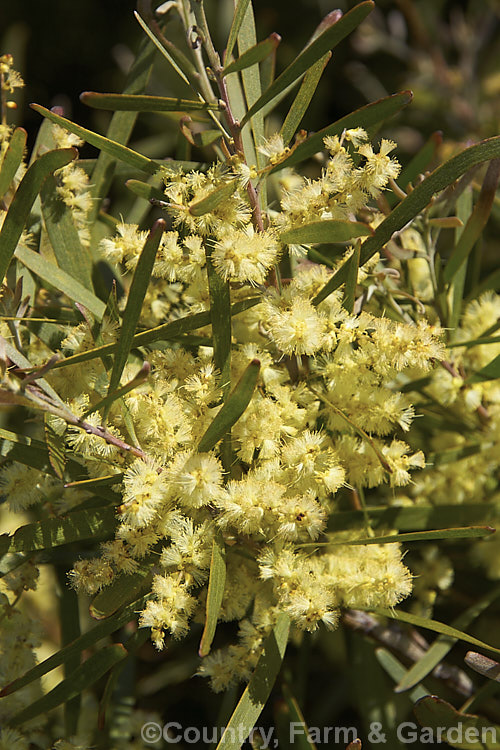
[{"x": 325, "y": 420}]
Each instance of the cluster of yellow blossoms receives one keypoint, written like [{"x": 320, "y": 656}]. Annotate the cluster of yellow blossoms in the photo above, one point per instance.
[{"x": 325, "y": 419}]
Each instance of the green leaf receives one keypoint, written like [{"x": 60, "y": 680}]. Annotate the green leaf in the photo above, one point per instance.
[
  {"x": 23, "y": 200},
  {"x": 415, "y": 202},
  {"x": 289, "y": 717},
  {"x": 120, "y": 128},
  {"x": 213, "y": 199},
  {"x": 238, "y": 17},
  {"x": 312, "y": 53},
  {"x": 454, "y": 297},
  {"x": 463, "y": 731},
  {"x": 143, "y": 103},
  {"x": 79, "y": 525},
  {"x": 302, "y": 100},
  {"x": 70, "y": 630},
  {"x": 12, "y": 159},
  {"x": 247, "y": 39},
  {"x": 476, "y": 223},
  {"x": 113, "y": 396},
  {"x": 418, "y": 517},
  {"x": 352, "y": 280},
  {"x": 443, "y": 644},
  {"x": 396, "y": 670},
  {"x": 451, "y": 455},
  {"x": 21, "y": 361},
  {"x": 72, "y": 257},
  {"x": 239, "y": 107},
  {"x": 55, "y": 448},
  {"x": 26, "y": 450},
  {"x": 259, "y": 688},
  {"x": 233, "y": 408},
  {"x": 491, "y": 371},
  {"x": 82, "y": 678},
  {"x": 329, "y": 231},
  {"x": 61, "y": 280},
  {"x": 85, "y": 641},
  {"x": 253, "y": 54},
  {"x": 165, "y": 332},
  {"x": 220, "y": 316},
  {"x": 121, "y": 592},
  {"x": 166, "y": 54},
  {"x": 216, "y": 584},
  {"x": 138, "y": 288},
  {"x": 112, "y": 148},
  {"x": 144, "y": 190},
  {"x": 365, "y": 117},
  {"x": 475, "y": 342},
  {"x": 469, "y": 532},
  {"x": 435, "y": 626}
]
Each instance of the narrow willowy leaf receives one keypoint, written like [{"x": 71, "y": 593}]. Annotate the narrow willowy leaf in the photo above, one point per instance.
[
  {"x": 55, "y": 448},
  {"x": 60, "y": 280},
  {"x": 138, "y": 288},
  {"x": 478, "y": 732},
  {"x": 435, "y": 626},
  {"x": 112, "y": 148},
  {"x": 216, "y": 584},
  {"x": 26, "y": 450},
  {"x": 82, "y": 678},
  {"x": 443, "y": 644},
  {"x": 143, "y": 103},
  {"x": 120, "y": 127},
  {"x": 419, "y": 517},
  {"x": 165, "y": 332},
  {"x": 415, "y": 202},
  {"x": 25, "y": 196},
  {"x": 238, "y": 105},
  {"x": 469, "y": 532},
  {"x": 233, "y": 408},
  {"x": 396, "y": 670},
  {"x": 220, "y": 316},
  {"x": 213, "y": 199},
  {"x": 144, "y": 190},
  {"x": 247, "y": 38},
  {"x": 162, "y": 48},
  {"x": 20, "y": 360},
  {"x": 69, "y": 620},
  {"x": 259, "y": 688},
  {"x": 476, "y": 223},
  {"x": 352, "y": 280},
  {"x": 365, "y": 117},
  {"x": 328, "y": 231},
  {"x": 239, "y": 15},
  {"x": 72, "y": 257},
  {"x": 491, "y": 371},
  {"x": 451, "y": 455},
  {"x": 312, "y": 53},
  {"x": 85, "y": 641},
  {"x": 98, "y": 523},
  {"x": 113, "y": 396},
  {"x": 303, "y": 98},
  {"x": 455, "y": 294},
  {"x": 253, "y": 54},
  {"x": 12, "y": 159},
  {"x": 121, "y": 592},
  {"x": 291, "y": 716}
]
